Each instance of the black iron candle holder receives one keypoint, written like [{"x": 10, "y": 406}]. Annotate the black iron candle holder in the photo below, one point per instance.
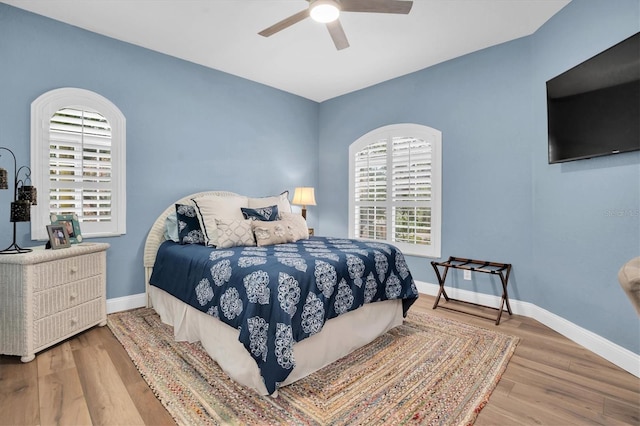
[{"x": 24, "y": 196}]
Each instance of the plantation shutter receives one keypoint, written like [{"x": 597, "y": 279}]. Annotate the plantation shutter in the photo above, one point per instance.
[
  {"x": 410, "y": 187},
  {"x": 371, "y": 191},
  {"x": 393, "y": 190},
  {"x": 80, "y": 165}
]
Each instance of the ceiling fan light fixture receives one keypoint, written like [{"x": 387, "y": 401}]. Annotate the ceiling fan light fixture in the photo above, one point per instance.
[{"x": 324, "y": 10}]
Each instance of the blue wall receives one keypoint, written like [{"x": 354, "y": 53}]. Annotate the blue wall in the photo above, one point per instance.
[
  {"x": 586, "y": 213},
  {"x": 189, "y": 128},
  {"x": 563, "y": 227},
  {"x": 567, "y": 229}
]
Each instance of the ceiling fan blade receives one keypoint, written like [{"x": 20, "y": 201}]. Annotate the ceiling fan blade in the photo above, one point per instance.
[
  {"x": 285, "y": 23},
  {"x": 337, "y": 34},
  {"x": 377, "y": 6}
]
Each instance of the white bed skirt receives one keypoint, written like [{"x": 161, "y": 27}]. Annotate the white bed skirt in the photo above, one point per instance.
[{"x": 339, "y": 337}]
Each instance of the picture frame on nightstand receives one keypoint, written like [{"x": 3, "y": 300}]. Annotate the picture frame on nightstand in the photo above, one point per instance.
[
  {"x": 71, "y": 224},
  {"x": 58, "y": 236}
]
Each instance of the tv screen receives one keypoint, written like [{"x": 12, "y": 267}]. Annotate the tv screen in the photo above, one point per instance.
[{"x": 594, "y": 108}]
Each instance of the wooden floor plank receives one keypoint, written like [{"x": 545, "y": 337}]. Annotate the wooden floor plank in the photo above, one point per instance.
[
  {"x": 492, "y": 415},
  {"x": 562, "y": 399},
  {"x": 57, "y": 358},
  {"x": 60, "y": 395},
  {"x": 524, "y": 412},
  {"x": 18, "y": 392},
  {"x": 107, "y": 398},
  {"x": 149, "y": 407},
  {"x": 622, "y": 411},
  {"x": 599, "y": 386},
  {"x": 599, "y": 369},
  {"x": 62, "y": 400}
]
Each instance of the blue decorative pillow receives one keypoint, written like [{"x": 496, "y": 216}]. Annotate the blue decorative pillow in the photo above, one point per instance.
[
  {"x": 267, "y": 214},
  {"x": 189, "y": 231}
]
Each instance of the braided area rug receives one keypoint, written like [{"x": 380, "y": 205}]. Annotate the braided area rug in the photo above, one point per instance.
[{"x": 429, "y": 370}]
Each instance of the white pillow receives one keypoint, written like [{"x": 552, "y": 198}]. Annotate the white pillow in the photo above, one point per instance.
[
  {"x": 214, "y": 207},
  {"x": 282, "y": 201},
  {"x": 297, "y": 225},
  {"x": 232, "y": 233}
]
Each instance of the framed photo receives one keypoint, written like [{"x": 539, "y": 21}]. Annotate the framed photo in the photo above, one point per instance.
[
  {"x": 71, "y": 224},
  {"x": 58, "y": 236}
]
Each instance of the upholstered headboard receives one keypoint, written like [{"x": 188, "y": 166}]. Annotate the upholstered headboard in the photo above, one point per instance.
[{"x": 155, "y": 237}]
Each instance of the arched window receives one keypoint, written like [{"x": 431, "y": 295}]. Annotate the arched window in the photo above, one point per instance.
[
  {"x": 395, "y": 187},
  {"x": 78, "y": 161}
]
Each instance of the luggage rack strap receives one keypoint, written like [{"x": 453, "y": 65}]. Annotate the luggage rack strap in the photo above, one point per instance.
[{"x": 474, "y": 265}]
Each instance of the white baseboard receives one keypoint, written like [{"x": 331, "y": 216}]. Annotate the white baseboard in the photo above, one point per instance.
[
  {"x": 125, "y": 303},
  {"x": 613, "y": 353}
]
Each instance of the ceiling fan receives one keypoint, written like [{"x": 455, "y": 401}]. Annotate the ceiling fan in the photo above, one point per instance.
[{"x": 327, "y": 12}]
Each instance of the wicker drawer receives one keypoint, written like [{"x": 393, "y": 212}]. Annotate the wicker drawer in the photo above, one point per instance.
[
  {"x": 52, "y": 274},
  {"x": 47, "y": 296},
  {"x": 67, "y": 323},
  {"x": 66, "y": 296}
]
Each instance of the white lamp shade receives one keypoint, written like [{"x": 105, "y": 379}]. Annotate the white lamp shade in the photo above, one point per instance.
[
  {"x": 324, "y": 10},
  {"x": 304, "y": 196}
]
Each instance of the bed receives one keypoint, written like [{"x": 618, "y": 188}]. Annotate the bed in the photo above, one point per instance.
[{"x": 274, "y": 310}]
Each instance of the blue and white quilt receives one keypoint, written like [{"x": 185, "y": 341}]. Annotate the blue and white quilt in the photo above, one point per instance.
[{"x": 281, "y": 294}]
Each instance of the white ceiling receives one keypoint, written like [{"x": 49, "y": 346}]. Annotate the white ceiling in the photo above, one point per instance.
[{"x": 223, "y": 34}]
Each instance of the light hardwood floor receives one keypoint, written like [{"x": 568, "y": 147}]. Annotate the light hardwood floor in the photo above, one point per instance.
[{"x": 550, "y": 380}]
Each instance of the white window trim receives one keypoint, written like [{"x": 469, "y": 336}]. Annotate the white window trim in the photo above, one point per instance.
[
  {"x": 42, "y": 109},
  {"x": 418, "y": 131}
]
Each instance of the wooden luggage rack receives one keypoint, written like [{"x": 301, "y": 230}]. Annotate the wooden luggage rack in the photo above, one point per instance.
[{"x": 503, "y": 270}]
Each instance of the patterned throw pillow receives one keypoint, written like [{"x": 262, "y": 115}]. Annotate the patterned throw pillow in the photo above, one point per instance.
[
  {"x": 211, "y": 208},
  {"x": 189, "y": 231},
  {"x": 266, "y": 214},
  {"x": 290, "y": 229},
  {"x": 297, "y": 225},
  {"x": 269, "y": 233},
  {"x": 282, "y": 201},
  {"x": 232, "y": 233}
]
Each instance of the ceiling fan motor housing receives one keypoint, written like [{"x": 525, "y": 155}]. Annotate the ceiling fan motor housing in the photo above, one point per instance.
[{"x": 324, "y": 10}]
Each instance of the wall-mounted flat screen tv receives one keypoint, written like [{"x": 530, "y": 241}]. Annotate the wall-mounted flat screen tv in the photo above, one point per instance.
[{"x": 594, "y": 108}]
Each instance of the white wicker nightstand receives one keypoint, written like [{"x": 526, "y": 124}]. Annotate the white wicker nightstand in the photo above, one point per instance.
[{"x": 49, "y": 295}]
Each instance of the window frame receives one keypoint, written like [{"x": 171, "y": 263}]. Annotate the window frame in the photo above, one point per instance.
[
  {"x": 418, "y": 131},
  {"x": 42, "y": 109}
]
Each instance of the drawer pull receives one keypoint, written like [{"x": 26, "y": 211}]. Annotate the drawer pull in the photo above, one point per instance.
[
  {"x": 74, "y": 269},
  {"x": 73, "y": 296},
  {"x": 74, "y": 321}
]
